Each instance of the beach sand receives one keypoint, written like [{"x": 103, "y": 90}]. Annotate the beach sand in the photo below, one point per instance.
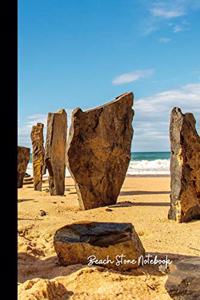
[{"x": 144, "y": 201}]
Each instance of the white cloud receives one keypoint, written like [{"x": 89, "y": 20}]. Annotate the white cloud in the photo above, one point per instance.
[
  {"x": 160, "y": 12},
  {"x": 132, "y": 76},
  {"x": 182, "y": 26},
  {"x": 187, "y": 97},
  {"x": 152, "y": 114},
  {"x": 177, "y": 28},
  {"x": 165, "y": 13},
  {"x": 24, "y": 131},
  {"x": 164, "y": 40}
]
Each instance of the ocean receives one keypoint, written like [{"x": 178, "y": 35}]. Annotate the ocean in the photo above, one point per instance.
[
  {"x": 142, "y": 163},
  {"x": 149, "y": 163}
]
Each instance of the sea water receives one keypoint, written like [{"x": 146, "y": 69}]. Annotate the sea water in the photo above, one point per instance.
[
  {"x": 141, "y": 163},
  {"x": 149, "y": 163}
]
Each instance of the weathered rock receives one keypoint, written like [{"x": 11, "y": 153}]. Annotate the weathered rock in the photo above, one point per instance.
[
  {"x": 55, "y": 151},
  {"x": 37, "y": 155},
  {"x": 23, "y": 157},
  {"x": 184, "y": 168},
  {"x": 183, "y": 280},
  {"x": 99, "y": 151},
  {"x": 82, "y": 242}
]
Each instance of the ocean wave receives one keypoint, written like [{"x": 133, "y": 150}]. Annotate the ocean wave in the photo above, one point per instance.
[
  {"x": 136, "y": 167},
  {"x": 29, "y": 170},
  {"x": 149, "y": 167}
]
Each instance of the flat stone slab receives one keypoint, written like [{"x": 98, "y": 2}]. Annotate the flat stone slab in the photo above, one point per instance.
[
  {"x": 55, "y": 151},
  {"x": 183, "y": 281},
  {"x": 111, "y": 245},
  {"x": 37, "y": 154},
  {"x": 99, "y": 151},
  {"x": 184, "y": 167}
]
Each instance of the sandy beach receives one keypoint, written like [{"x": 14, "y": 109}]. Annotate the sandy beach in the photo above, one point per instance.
[{"x": 143, "y": 201}]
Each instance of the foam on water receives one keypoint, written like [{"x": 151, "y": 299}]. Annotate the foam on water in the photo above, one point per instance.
[
  {"x": 149, "y": 167},
  {"x": 136, "y": 167}
]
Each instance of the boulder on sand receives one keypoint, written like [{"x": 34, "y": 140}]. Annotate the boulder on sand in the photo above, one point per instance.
[
  {"x": 99, "y": 151},
  {"x": 183, "y": 279},
  {"x": 111, "y": 245}
]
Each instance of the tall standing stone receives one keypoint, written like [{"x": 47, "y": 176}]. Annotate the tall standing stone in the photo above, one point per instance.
[
  {"x": 99, "y": 151},
  {"x": 37, "y": 155},
  {"x": 184, "y": 167},
  {"x": 55, "y": 151},
  {"x": 23, "y": 157}
]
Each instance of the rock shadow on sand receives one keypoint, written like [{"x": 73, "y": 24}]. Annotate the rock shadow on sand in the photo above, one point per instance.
[
  {"x": 134, "y": 193},
  {"x": 26, "y": 200},
  {"x": 129, "y": 203},
  {"x": 30, "y": 267}
]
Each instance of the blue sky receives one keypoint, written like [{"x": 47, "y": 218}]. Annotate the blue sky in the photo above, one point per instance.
[{"x": 83, "y": 53}]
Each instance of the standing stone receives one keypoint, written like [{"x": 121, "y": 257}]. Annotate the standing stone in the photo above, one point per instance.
[
  {"x": 23, "y": 157},
  {"x": 113, "y": 245},
  {"x": 55, "y": 151},
  {"x": 99, "y": 151},
  {"x": 184, "y": 167},
  {"x": 37, "y": 155}
]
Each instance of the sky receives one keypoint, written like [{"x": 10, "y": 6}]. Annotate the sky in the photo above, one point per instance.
[{"x": 84, "y": 53}]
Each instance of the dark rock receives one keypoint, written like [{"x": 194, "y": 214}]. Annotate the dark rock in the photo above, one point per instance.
[
  {"x": 183, "y": 279},
  {"x": 23, "y": 157},
  {"x": 27, "y": 175},
  {"x": 75, "y": 243},
  {"x": 184, "y": 168},
  {"x": 38, "y": 155},
  {"x": 99, "y": 151},
  {"x": 42, "y": 213},
  {"x": 55, "y": 151}
]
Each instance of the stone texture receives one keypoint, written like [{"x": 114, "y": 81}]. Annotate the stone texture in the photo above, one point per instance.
[
  {"x": 76, "y": 242},
  {"x": 99, "y": 151},
  {"x": 184, "y": 168},
  {"x": 23, "y": 157},
  {"x": 55, "y": 151},
  {"x": 183, "y": 279},
  {"x": 37, "y": 155}
]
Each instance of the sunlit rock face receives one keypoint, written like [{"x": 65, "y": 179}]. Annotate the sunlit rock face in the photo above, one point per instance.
[
  {"x": 99, "y": 151},
  {"x": 55, "y": 151},
  {"x": 184, "y": 168}
]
